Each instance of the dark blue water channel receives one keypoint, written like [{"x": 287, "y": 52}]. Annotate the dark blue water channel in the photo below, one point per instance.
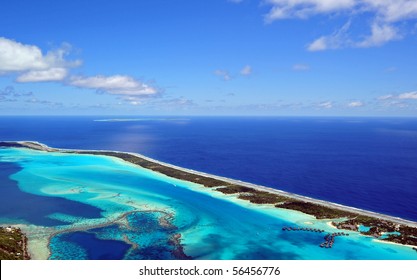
[{"x": 34, "y": 209}]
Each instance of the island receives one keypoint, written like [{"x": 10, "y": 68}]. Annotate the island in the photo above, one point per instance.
[
  {"x": 383, "y": 227},
  {"x": 13, "y": 244}
]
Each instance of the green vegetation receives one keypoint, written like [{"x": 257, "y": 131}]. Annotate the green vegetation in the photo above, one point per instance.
[
  {"x": 253, "y": 195},
  {"x": 12, "y": 244},
  {"x": 262, "y": 198},
  {"x": 376, "y": 225},
  {"x": 366, "y": 221},
  {"x": 408, "y": 235},
  {"x": 319, "y": 211},
  {"x": 232, "y": 189}
]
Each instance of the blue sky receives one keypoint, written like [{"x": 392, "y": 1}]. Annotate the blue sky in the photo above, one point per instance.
[{"x": 217, "y": 57}]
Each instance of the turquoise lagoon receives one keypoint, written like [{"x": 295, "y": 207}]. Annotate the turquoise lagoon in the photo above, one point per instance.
[{"x": 98, "y": 207}]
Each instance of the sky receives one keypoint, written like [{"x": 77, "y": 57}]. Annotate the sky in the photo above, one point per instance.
[{"x": 217, "y": 57}]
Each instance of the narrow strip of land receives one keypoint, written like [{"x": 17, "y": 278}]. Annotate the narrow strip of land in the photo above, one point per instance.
[{"x": 353, "y": 217}]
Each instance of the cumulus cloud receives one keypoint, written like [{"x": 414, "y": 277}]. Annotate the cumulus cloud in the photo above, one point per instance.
[
  {"x": 53, "y": 74},
  {"x": 31, "y": 64},
  {"x": 325, "y": 105},
  {"x": 223, "y": 74},
  {"x": 402, "y": 100},
  {"x": 282, "y": 9},
  {"x": 386, "y": 16},
  {"x": 392, "y": 10},
  {"x": 355, "y": 104},
  {"x": 117, "y": 84},
  {"x": 412, "y": 95},
  {"x": 387, "y": 10},
  {"x": 246, "y": 71},
  {"x": 408, "y": 95},
  {"x": 381, "y": 33}
]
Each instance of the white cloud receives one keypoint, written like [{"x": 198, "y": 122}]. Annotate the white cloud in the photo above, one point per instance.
[
  {"x": 319, "y": 44},
  {"x": 53, "y": 74},
  {"x": 402, "y": 100},
  {"x": 282, "y": 9},
  {"x": 117, "y": 84},
  {"x": 246, "y": 71},
  {"x": 325, "y": 105},
  {"x": 386, "y": 97},
  {"x": 31, "y": 63},
  {"x": 355, "y": 104},
  {"x": 393, "y": 10},
  {"x": 133, "y": 100},
  {"x": 381, "y": 33},
  {"x": 408, "y": 95},
  {"x": 15, "y": 56},
  {"x": 337, "y": 40},
  {"x": 387, "y": 10},
  {"x": 300, "y": 67},
  {"x": 386, "y": 15},
  {"x": 223, "y": 74}
]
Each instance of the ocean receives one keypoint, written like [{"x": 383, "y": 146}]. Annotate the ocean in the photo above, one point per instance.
[
  {"x": 95, "y": 207},
  {"x": 368, "y": 163}
]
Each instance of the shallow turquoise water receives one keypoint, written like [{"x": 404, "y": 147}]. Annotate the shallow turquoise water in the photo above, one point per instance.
[
  {"x": 212, "y": 226},
  {"x": 387, "y": 234},
  {"x": 363, "y": 228}
]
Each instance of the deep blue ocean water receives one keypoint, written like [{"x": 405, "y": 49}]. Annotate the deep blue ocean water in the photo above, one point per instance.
[
  {"x": 369, "y": 163},
  {"x": 94, "y": 248}
]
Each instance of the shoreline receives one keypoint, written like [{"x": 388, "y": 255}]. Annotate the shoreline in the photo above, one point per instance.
[
  {"x": 393, "y": 243},
  {"x": 230, "y": 181},
  {"x": 254, "y": 193},
  {"x": 284, "y": 193}
]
